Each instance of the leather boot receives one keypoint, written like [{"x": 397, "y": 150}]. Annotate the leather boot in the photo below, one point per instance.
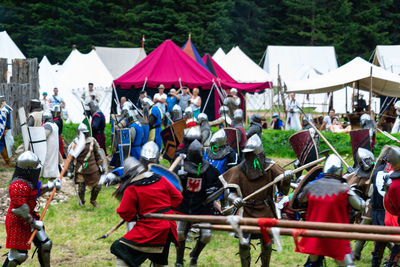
[
  {"x": 93, "y": 196},
  {"x": 245, "y": 256},
  {"x": 375, "y": 261},
  {"x": 81, "y": 192},
  {"x": 180, "y": 253},
  {"x": 194, "y": 255},
  {"x": 358, "y": 247},
  {"x": 266, "y": 250}
]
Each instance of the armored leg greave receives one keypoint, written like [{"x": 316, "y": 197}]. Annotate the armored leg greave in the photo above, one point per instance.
[
  {"x": 182, "y": 228},
  {"x": 15, "y": 257},
  {"x": 266, "y": 250},
  {"x": 44, "y": 245},
  {"x": 93, "y": 196},
  {"x": 348, "y": 261},
  {"x": 244, "y": 251},
  {"x": 81, "y": 192},
  {"x": 359, "y": 244},
  {"x": 194, "y": 255}
]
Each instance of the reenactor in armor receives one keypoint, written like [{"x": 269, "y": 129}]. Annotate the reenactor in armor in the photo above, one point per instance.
[
  {"x": 189, "y": 117},
  {"x": 177, "y": 113},
  {"x": 307, "y": 126},
  {"x": 359, "y": 183},
  {"x": 232, "y": 101},
  {"x": 155, "y": 120},
  {"x": 145, "y": 192},
  {"x": 219, "y": 154},
  {"x": 21, "y": 218},
  {"x": 35, "y": 114},
  {"x": 238, "y": 124},
  {"x": 88, "y": 167},
  {"x": 199, "y": 180},
  {"x": 329, "y": 200},
  {"x": 205, "y": 129},
  {"x": 57, "y": 119},
  {"x": 190, "y": 135},
  {"x": 135, "y": 132},
  {"x": 98, "y": 124},
  {"x": 149, "y": 154},
  {"x": 224, "y": 119},
  {"x": 367, "y": 123},
  {"x": 255, "y": 126},
  {"x": 50, "y": 165},
  {"x": 240, "y": 181},
  {"x": 5, "y": 125}
]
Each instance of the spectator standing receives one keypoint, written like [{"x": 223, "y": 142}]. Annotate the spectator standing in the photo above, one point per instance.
[
  {"x": 160, "y": 99},
  {"x": 90, "y": 95},
  {"x": 55, "y": 99},
  {"x": 396, "y": 126},
  {"x": 195, "y": 102},
  {"x": 293, "y": 117},
  {"x": 172, "y": 100},
  {"x": 183, "y": 97},
  {"x": 45, "y": 102}
]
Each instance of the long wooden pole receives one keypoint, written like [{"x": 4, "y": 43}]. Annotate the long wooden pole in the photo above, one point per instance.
[
  {"x": 323, "y": 226},
  {"x": 277, "y": 180},
  {"x": 323, "y": 137},
  {"x": 306, "y": 233},
  {"x": 370, "y": 93}
]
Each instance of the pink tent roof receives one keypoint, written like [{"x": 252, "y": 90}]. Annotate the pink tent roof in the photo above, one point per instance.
[{"x": 167, "y": 65}]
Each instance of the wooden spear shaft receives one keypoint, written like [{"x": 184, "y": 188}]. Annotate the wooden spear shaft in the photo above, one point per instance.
[
  {"x": 339, "y": 227},
  {"x": 277, "y": 180},
  {"x": 306, "y": 233}
]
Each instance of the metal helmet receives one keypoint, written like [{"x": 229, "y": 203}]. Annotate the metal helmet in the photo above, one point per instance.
[
  {"x": 188, "y": 113},
  {"x": 333, "y": 165},
  {"x": 150, "y": 152},
  {"x": 131, "y": 116},
  {"x": 255, "y": 118},
  {"x": 94, "y": 106},
  {"x": 83, "y": 128},
  {"x": 177, "y": 112},
  {"x": 28, "y": 160},
  {"x": 56, "y": 110},
  {"x": 202, "y": 117},
  {"x": 195, "y": 152},
  {"x": 238, "y": 115},
  {"x": 132, "y": 167},
  {"x": 47, "y": 117},
  {"x": 193, "y": 133},
  {"x": 397, "y": 104},
  {"x": 218, "y": 139},
  {"x": 254, "y": 144},
  {"x": 364, "y": 118},
  {"x": 307, "y": 118},
  {"x": 224, "y": 113},
  {"x": 127, "y": 106},
  {"x": 35, "y": 104},
  {"x": 394, "y": 157},
  {"x": 146, "y": 102},
  {"x": 365, "y": 158}
]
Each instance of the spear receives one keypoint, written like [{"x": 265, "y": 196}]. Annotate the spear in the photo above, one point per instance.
[
  {"x": 277, "y": 180},
  {"x": 74, "y": 153},
  {"x": 388, "y": 135}
]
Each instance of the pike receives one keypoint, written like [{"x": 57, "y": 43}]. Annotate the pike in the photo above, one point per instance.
[
  {"x": 74, "y": 153},
  {"x": 349, "y": 169},
  {"x": 388, "y": 135},
  {"x": 118, "y": 225},
  {"x": 276, "y": 180}
]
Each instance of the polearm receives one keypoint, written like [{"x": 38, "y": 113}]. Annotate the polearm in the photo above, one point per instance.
[
  {"x": 118, "y": 225},
  {"x": 323, "y": 137},
  {"x": 305, "y": 233},
  {"x": 323, "y": 226},
  {"x": 388, "y": 135},
  {"x": 74, "y": 153},
  {"x": 277, "y": 180}
]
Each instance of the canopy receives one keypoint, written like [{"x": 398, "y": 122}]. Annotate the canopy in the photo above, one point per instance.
[
  {"x": 191, "y": 51},
  {"x": 358, "y": 70},
  {"x": 8, "y": 49},
  {"x": 388, "y": 57},
  {"x": 299, "y": 62},
  {"x": 119, "y": 60},
  {"x": 76, "y": 72},
  {"x": 219, "y": 55},
  {"x": 241, "y": 68},
  {"x": 48, "y": 74}
]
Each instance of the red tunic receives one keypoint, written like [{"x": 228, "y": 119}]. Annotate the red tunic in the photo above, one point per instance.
[
  {"x": 19, "y": 231},
  {"x": 330, "y": 204},
  {"x": 140, "y": 200}
]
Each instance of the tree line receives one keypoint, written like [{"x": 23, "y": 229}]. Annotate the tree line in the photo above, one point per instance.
[{"x": 50, "y": 28}]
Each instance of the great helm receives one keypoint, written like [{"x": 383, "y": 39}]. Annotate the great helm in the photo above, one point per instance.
[
  {"x": 333, "y": 165},
  {"x": 364, "y": 158}
]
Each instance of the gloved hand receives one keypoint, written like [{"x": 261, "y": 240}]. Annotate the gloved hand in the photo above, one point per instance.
[
  {"x": 110, "y": 179},
  {"x": 238, "y": 202},
  {"x": 182, "y": 173},
  {"x": 57, "y": 183},
  {"x": 288, "y": 175},
  {"x": 36, "y": 224},
  {"x": 101, "y": 169},
  {"x": 387, "y": 182}
]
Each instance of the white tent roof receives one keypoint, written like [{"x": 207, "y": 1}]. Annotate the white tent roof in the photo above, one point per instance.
[
  {"x": 383, "y": 82},
  {"x": 119, "y": 60},
  {"x": 48, "y": 75},
  {"x": 241, "y": 68},
  {"x": 76, "y": 72},
  {"x": 8, "y": 49},
  {"x": 299, "y": 62},
  {"x": 219, "y": 55},
  {"x": 388, "y": 57}
]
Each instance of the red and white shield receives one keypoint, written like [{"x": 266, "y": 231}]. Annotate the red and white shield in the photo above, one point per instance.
[{"x": 193, "y": 184}]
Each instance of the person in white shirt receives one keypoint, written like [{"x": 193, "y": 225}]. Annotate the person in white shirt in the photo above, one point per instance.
[
  {"x": 160, "y": 98},
  {"x": 327, "y": 121},
  {"x": 195, "y": 102},
  {"x": 293, "y": 116},
  {"x": 396, "y": 126}
]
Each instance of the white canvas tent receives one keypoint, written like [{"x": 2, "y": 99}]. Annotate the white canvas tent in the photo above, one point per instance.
[
  {"x": 119, "y": 60},
  {"x": 48, "y": 76},
  {"x": 388, "y": 57},
  {"x": 8, "y": 49},
  {"x": 219, "y": 55},
  {"x": 75, "y": 74}
]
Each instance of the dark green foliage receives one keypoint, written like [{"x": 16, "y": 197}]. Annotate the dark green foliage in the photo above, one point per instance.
[{"x": 50, "y": 28}]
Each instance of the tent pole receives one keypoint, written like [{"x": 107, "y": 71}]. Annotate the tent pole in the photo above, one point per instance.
[
  {"x": 208, "y": 97},
  {"x": 247, "y": 117},
  {"x": 346, "y": 99},
  {"x": 280, "y": 92},
  {"x": 370, "y": 94}
]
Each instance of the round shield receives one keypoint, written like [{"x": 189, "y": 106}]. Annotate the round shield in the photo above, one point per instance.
[{"x": 294, "y": 203}]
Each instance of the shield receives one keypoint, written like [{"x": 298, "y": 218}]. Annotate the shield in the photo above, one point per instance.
[
  {"x": 124, "y": 145},
  {"x": 232, "y": 139},
  {"x": 169, "y": 175},
  {"x": 359, "y": 138},
  {"x": 304, "y": 147},
  {"x": 37, "y": 142},
  {"x": 87, "y": 123},
  {"x": 3, "y": 120},
  {"x": 311, "y": 176},
  {"x": 24, "y": 127},
  {"x": 172, "y": 136}
]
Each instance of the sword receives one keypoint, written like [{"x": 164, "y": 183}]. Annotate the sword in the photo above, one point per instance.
[
  {"x": 389, "y": 135},
  {"x": 141, "y": 114},
  {"x": 77, "y": 194}
]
